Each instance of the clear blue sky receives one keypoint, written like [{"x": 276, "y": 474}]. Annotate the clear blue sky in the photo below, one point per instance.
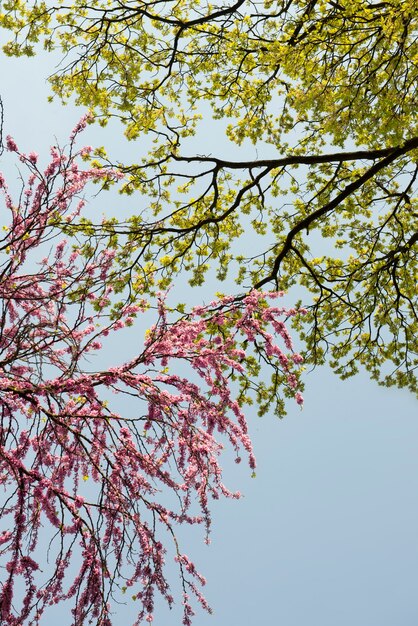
[{"x": 327, "y": 533}]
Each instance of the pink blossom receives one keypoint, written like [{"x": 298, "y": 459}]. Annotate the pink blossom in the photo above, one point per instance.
[
  {"x": 5, "y": 536},
  {"x": 11, "y": 144},
  {"x": 299, "y": 398}
]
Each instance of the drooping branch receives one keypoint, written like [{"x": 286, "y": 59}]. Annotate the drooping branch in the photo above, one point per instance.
[{"x": 78, "y": 472}]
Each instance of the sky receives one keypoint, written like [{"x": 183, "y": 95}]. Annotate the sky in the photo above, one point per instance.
[{"x": 327, "y": 532}]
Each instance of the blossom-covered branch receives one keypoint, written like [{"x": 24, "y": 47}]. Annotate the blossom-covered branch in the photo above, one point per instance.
[{"x": 88, "y": 452}]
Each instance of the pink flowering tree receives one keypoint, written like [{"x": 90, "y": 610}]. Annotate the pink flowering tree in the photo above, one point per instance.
[{"x": 86, "y": 485}]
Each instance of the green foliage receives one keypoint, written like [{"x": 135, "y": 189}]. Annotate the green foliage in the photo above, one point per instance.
[{"x": 326, "y": 92}]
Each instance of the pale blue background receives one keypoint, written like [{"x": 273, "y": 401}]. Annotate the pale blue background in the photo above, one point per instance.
[{"x": 327, "y": 533}]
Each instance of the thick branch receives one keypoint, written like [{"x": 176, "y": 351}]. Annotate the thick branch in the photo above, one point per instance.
[
  {"x": 299, "y": 159},
  {"x": 409, "y": 145}
]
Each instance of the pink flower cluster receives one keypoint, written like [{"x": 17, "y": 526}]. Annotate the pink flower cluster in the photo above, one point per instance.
[{"x": 70, "y": 464}]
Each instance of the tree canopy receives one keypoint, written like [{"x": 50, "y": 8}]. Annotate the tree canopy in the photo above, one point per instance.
[
  {"x": 312, "y": 190},
  {"x": 326, "y": 93}
]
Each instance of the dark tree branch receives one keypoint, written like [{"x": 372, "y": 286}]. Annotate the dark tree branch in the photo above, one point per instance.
[{"x": 303, "y": 224}]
